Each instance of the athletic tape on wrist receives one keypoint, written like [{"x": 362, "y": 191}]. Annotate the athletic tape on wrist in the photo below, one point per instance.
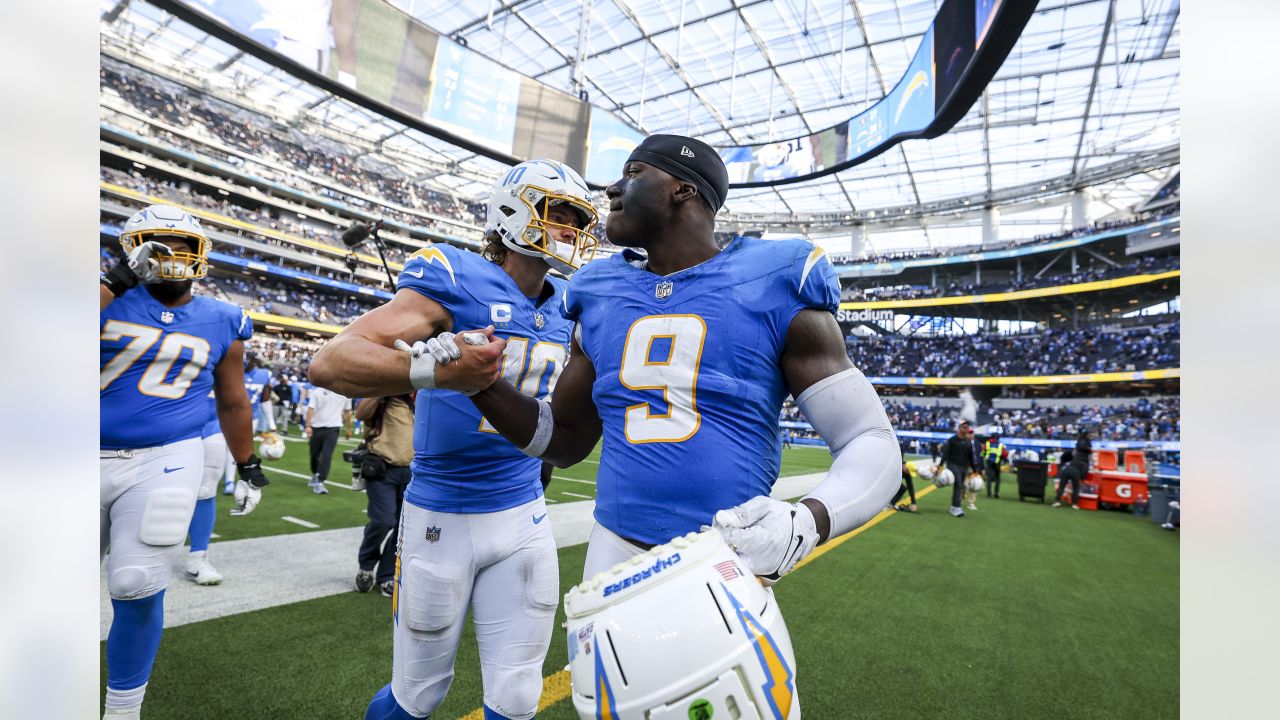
[{"x": 542, "y": 434}]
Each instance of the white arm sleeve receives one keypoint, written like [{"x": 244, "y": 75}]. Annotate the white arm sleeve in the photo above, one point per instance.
[{"x": 846, "y": 411}]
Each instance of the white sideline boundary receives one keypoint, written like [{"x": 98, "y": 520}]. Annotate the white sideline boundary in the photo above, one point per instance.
[{"x": 279, "y": 570}]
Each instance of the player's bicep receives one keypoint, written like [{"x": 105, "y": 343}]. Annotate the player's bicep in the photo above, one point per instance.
[
  {"x": 409, "y": 316},
  {"x": 814, "y": 350}
]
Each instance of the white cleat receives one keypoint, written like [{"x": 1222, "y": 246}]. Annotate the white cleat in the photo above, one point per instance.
[
  {"x": 201, "y": 572},
  {"x": 129, "y": 713}
]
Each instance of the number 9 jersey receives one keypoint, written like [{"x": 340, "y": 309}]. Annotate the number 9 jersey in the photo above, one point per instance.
[
  {"x": 156, "y": 366},
  {"x": 689, "y": 380}
]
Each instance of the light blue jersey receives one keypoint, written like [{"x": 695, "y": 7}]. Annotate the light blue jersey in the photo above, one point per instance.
[
  {"x": 256, "y": 382},
  {"x": 688, "y": 378},
  {"x": 156, "y": 366},
  {"x": 461, "y": 464}
]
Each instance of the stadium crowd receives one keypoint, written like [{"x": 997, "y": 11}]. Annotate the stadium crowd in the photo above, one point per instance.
[
  {"x": 265, "y": 216},
  {"x": 270, "y": 296},
  {"x": 916, "y": 254},
  {"x": 1050, "y": 351},
  {"x": 1143, "y": 419},
  {"x": 261, "y": 137},
  {"x": 1098, "y": 271}
]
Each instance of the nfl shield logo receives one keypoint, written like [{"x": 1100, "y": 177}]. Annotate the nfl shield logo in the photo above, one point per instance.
[
  {"x": 663, "y": 290},
  {"x": 539, "y": 321},
  {"x": 166, "y": 317},
  {"x": 433, "y": 534}
]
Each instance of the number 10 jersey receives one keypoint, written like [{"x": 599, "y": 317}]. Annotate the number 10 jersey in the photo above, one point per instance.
[
  {"x": 689, "y": 380},
  {"x": 461, "y": 464}
]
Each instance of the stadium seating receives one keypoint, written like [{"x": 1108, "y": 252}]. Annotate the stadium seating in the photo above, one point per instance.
[{"x": 1051, "y": 351}]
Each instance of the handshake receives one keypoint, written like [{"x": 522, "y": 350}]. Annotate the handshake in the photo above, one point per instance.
[{"x": 445, "y": 364}]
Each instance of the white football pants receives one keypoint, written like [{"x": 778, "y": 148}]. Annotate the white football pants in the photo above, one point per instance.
[
  {"x": 216, "y": 457},
  {"x": 145, "y": 506},
  {"x": 503, "y": 565},
  {"x": 266, "y": 421},
  {"x": 604, "y": 550}
]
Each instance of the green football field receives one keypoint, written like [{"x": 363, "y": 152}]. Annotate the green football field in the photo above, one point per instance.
[{"x": 1015, "y": 611}]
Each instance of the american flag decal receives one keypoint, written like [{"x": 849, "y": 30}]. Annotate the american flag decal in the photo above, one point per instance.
[{"x": 728, "y": 570}]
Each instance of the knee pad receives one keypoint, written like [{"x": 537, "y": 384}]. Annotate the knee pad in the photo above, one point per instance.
[
  {"x": 133, "y": 582},
  {"x": 166, "y": 516},
  {"x": 431, "y": 596},
  {"x": 215, "y": 464},
  {"x": 209, "y": 481}
]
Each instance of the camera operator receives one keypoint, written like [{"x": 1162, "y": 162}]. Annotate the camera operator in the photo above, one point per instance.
[{"x": 385, "y": 471}]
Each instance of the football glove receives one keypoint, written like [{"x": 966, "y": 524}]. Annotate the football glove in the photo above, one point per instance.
[
  {"x": 442, "y": 349},
  {"x": 771, "y": 536},
  {"x": 249, "y": 487},
  {"x": 141, "y": 266}
]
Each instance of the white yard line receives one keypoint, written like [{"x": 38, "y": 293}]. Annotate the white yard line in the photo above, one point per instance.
[
  {"x": 573, "y": 494},
  {"x": 290, "y": 473},
  {"x": 296, "y": 521},
  {"x": 584, "y": 482}
]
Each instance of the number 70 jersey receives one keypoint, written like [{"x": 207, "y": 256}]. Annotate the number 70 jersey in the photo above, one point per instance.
[
  {"x": 156, "y": 367},
  {"x": 689, "y": 379}
]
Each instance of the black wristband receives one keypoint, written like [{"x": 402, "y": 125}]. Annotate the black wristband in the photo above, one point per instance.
[
  {"x": 251, "y": 472},
  {"x": 119, "y": 279}
]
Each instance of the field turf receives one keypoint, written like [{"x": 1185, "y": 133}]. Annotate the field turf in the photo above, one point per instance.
[
  {"x": 288, "y": 495},
  {"x": 1015, "y": 611}
]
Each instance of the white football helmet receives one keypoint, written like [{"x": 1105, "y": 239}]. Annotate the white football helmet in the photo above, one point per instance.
[
  {"x": 518, "y": 208},
  {"x": 974, "y": 483},
  {"x": 271, "y": 447},
  {"x": 157, "y": 222},
  {"x": 682, "y": 631}
]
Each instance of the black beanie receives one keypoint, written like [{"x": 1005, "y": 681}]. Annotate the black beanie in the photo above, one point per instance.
[{"x": 687, "y": 159}]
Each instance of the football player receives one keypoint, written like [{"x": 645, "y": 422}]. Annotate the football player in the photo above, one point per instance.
[
  {"x": 682, "y": 358},
  {"x": 474, "y": 528},
  {"x": 257, "y": 382},
  {"x": 162, "y": 351},
  {"x": 214, "y": 448}
]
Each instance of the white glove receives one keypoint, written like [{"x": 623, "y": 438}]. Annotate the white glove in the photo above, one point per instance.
[
  {"x": 444, "y": 348},
  {"x": 770, "y": 536},
  {"x": 247, "y": 498},
  {"x": 142, "y": 261}
]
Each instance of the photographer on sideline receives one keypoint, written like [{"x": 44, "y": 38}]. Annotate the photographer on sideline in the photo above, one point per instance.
[{"x": 385, "y": 471}]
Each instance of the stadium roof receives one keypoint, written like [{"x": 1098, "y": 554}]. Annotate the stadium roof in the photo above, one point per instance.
[{"x": 1091, "y": 83}]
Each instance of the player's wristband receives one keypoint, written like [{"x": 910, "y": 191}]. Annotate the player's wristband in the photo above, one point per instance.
[
  {"x": 251, "y": 472},
  {"x": 541, "y": 434},
  {"x": 119, "y": 279}
]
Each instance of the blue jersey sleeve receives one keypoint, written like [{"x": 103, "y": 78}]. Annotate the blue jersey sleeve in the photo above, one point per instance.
[
  {"x": 815, "y": 281},
  {"x": 243, "y": 325},
  {"x": 435, "y": 272}
]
